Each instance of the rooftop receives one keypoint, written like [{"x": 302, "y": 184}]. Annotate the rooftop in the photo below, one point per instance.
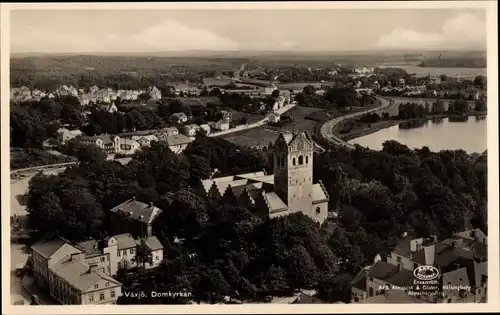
[
  {"x": 138, "y": 210},
  {"x": 78, "y": 275},
  {"x": 177, "y": 139}
]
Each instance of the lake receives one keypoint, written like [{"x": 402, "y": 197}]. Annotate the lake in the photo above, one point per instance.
[
  {"x": 469, "y": 136},
  {"x": 464, "y": 73}
]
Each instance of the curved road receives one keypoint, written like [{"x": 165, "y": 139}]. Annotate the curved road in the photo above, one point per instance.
[{"x": 326, "y": 129}]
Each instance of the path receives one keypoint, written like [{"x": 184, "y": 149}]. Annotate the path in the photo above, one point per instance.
[
  {"x": 254, "y": 125},
  {"x": 326, "y": 130}
]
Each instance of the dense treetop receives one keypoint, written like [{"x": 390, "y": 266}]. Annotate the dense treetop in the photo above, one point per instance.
[{"x": 229, "y": 250}]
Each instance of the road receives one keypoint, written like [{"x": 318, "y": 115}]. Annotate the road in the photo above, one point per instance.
[
  {"x": 254, "y": 125},
  {"x": 326, "y": 130}
]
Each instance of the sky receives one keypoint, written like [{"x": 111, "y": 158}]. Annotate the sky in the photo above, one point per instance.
[{"x": 112, "y": 31}]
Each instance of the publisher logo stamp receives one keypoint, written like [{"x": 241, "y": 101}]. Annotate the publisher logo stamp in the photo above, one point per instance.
[{"x": 426, "y": 273}]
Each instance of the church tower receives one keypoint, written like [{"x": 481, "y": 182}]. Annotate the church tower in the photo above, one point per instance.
[{"x": 293, "y": 171}]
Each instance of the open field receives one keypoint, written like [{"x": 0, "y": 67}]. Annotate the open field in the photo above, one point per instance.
[
  {"x": 261, "y": 136},
  {"x": 252, "y": 118}
]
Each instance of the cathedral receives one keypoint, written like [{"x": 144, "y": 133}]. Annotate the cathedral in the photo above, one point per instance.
[{"x": 290, "y": 189}]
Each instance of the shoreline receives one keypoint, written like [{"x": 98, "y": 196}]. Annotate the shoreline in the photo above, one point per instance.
[{"x": 390, "y": 123}]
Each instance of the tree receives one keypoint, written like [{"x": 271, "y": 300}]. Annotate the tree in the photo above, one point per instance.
[
  {"x": 333, "y": 288},
  {"x": 143, "y": 254},
  {"x": 438, "y": 107},
  {"x": 275, "y": 94},
  {"x": 480, "y": 81},
  {"x": 90, "y": 154},
  {"x": 480, "y": 105},
  {"x": 459, "y": 107},
  {"x": 300, "y": 270}
]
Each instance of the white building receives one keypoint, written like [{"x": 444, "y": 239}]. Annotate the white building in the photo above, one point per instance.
[{"x": 191, "y": 130}]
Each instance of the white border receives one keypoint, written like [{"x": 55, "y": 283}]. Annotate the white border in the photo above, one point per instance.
[{"x": 493, "y": 210}]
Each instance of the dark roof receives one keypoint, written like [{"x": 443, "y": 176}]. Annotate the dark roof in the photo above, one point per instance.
[
  {"x": 450, "y": 255},
  {"x": 403, "y": 247},
  {"x": 359, "y": 280},
  {"x": 137, "y": 133},
  {"x": 392, "y": 274},
  {"x": 307, "y": 299},
  {"x": 153, "y": 243},
  {"x": 47, "y": 248},
  {"x": 137, "y": 210},
  {"x": 91, "y": 248}
]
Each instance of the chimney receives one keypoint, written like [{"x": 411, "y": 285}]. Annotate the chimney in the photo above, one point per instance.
[
  {"x": 130, "y": 213},
  {"x": 151, "y": 204},
  {"x": 434, "y": 237},
  {"x": 92, "y": 268},
  {"x": 133, "y": 198},
  {"x": 405, "y": 234},
  {"x": 400, "y": 266},
  {"x": 74, "y": 256}
]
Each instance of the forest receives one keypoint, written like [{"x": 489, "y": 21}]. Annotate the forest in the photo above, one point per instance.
[{"x": 227, "y": 250}]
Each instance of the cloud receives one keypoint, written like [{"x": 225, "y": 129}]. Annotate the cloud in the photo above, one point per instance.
[
  {"x": 463, "y": 31},
  {"x": 167, "y": 35}
]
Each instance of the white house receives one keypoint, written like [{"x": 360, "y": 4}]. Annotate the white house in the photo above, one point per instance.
[
  {"x": 127, "y": 146},
  {"x": 65, "y": 134},
  {"x": 178, "y": 143},
  {"x": 269, "y": 89},
  {"x": 145, "y": 141},
  {"x": 221, "y": 125}
]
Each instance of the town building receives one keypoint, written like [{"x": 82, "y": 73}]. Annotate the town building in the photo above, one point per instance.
[
  {"x": 127, "y": 146},
  {"x": 110, "y": 108},
  {"x": 61, "y": 270},
  {"x": 154, "y": 93},
  {"x": 178, "y": 143},
  {"x": 146, "y": 140},
  {"x": 269, "y": 89},
  {"x": 134, "y": 217},
  {"x": 108, "y": 143},
  {"x": 290, "y": 189},
  {"x": 64, "y": 135},
  {"x": 221, "y": 125}
]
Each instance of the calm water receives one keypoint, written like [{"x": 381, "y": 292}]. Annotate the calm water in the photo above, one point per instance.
[
  {"x": 465, "y": 73},
  {"x": 439, "y": 135}
]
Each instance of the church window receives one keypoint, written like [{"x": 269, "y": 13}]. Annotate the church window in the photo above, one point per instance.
[
  {"x": 307, "y": 159},
  {"x": 318, "y": 210},
  {"x": 294, "y": 161},
  {"x": 301, "y": 160}
]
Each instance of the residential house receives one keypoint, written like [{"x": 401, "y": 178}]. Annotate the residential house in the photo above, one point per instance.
[
  {"x": 221, "y": 125},
  {"x": 103, "y": 96},
  {"x": 163, "y": 133},
  {"x": 84, "y": 100},
  {"x": 127, "y": 146},
  {"x": 110, "y": 108},
  {"x": 178, "y": 118},
  {"x": 60, "y": 269},
  {"x": 178, "y": 143},
  {"x": 108, "y": 143},
  {"x": 191, "y": 130},
  {"x": 186, "y": 89},
  {"x": 154, "y": 93},
  {"x": 269, "y": 89},
  {"x": 65, "y": 134},
  {"x": 134, "y": 217},
  {"x": 205, "y": 128},
  {"x": 93, "y": 89},
  {"x": 274, "y": 118},
  {"x": 171, "y": 131},
  {"x": 145, "y": 141}
]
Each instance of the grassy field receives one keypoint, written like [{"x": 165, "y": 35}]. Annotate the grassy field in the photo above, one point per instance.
[
  {"x": 252, "y": 118},
  {"x": 263, "y": 135}
]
